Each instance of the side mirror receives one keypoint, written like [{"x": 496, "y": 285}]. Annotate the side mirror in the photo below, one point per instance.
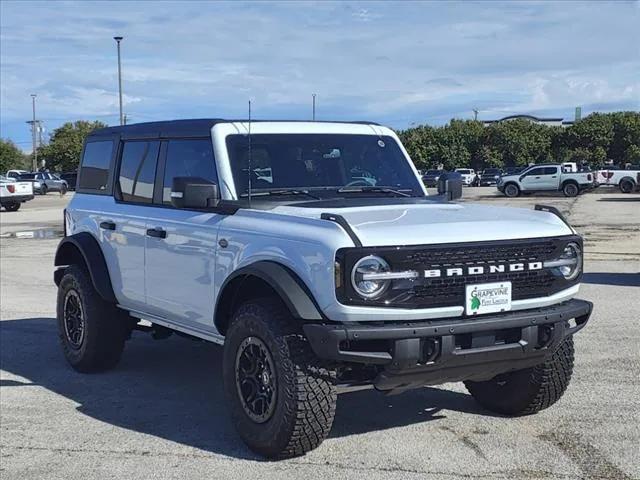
[
  {"x": 194, "y": 192},
  {"x": 450, "y": 185}
]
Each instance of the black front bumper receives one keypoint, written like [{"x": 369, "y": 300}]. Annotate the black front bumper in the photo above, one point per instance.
[{"x": 410, "y": 354}]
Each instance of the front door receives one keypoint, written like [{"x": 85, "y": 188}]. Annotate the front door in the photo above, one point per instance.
[
  {"x": 181, "y": 244},
  {"x": 532, "y": 180}
]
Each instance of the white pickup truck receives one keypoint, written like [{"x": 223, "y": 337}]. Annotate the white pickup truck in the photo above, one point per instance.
[
  {"x": 13, "y": 193},
  {"x": 540, "y": 178},
  {"x": 626, "y": 180}
]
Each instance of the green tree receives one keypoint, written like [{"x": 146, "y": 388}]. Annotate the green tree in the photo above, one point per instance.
[
  {"x": 65, "y": 147},
  {"x": 11, "y": 157},
  {"x": 519, "y": 142}
]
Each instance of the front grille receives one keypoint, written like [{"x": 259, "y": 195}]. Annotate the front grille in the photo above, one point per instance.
[{"x": 450, "y": 291}]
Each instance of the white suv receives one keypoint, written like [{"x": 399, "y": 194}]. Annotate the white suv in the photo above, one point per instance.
[
  {"x": 313, "y": 254},
  {"x": 469, "y": 177}
]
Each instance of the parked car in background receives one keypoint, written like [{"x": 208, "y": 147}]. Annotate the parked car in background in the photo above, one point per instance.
[
  {"x": 489, "y": 176},
  {"x": 14, "y": 193},
  {"x": 539, "y": 178},
  {"x": 430, "y": 179},
  {"x": 71, "y": 178},
  {"x": 469, "y": 176},
  {"x": 626, "y": 180},
  {"x": 45, "y": 182}
]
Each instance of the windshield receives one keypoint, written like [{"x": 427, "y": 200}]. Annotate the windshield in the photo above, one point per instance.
[
  {"x": 320, "y": 162},
  {"x": 492, "y": 171},
  {"x": 432, "y": 172},
  {"x": 463, "y": 171}
]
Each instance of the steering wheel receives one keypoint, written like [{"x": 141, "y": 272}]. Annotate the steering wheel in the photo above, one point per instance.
[{"x": 358, "y": 183}]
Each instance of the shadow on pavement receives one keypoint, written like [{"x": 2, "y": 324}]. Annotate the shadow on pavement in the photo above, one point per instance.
[
  {"x": 173, "y": 389},
  {"x": 617, "y": 279},
  {"x": 620, "y": 199}
]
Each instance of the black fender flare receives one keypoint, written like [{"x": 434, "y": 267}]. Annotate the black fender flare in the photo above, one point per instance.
[
  {"x": 83, "y": 246},
  {"x": 287, "y": 285}
]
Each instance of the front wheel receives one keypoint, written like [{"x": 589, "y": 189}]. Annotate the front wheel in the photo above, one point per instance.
[
  {"x": 511, "y": 190},
  {"x": 527, "y": 391},
  {"x": 282, "y": 399},
  {"x": 44, "y": 190},
  {"x": 570, "y": 190}
]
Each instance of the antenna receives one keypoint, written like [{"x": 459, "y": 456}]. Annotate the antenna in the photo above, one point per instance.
[{"x": 249, "y": 156}]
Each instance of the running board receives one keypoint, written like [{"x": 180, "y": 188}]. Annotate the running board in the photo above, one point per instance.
[{"x": 204, "y": 335}]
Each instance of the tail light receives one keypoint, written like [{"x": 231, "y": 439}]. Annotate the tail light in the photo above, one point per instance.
[{"x": 11, "y": 188}]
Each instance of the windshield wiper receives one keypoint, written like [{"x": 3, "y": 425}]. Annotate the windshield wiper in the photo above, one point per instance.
[
  {"x": 283, "y": 191},
  {"x": 375, "y": 189}
]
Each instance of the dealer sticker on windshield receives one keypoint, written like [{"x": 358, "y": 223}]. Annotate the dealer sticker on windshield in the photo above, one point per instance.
[{"x": 488, "y": 298}]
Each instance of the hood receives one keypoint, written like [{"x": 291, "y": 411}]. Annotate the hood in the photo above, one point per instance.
[{"x": 437, "y": 223}]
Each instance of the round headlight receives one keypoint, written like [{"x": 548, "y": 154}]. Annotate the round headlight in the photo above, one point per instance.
[
  {"x": 570, "y": 262},
  {"x": 363, "y": 277}
]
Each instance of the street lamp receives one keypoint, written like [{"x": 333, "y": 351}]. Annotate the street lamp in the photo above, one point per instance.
[
  {"x": 33, "y": 132},
  {"x": 118, "y": 40}
]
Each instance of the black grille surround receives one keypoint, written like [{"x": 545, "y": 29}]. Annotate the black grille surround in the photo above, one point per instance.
[{"x": 450, "y": 291}]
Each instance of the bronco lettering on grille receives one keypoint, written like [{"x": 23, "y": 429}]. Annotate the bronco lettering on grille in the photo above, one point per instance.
[{"x": 482, "y": 269}]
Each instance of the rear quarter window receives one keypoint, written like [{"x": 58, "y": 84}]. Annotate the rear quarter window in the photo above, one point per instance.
[{"x": 94, "y": 175}]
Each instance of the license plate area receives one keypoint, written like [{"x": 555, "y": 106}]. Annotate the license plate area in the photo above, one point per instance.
[{"x": 488, "y": 298}]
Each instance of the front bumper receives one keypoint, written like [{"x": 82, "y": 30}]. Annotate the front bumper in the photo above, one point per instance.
[{"x": 411, "y": 354}]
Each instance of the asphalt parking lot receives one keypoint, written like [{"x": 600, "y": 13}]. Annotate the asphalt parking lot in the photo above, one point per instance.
[{"x": 161, "y": 413}]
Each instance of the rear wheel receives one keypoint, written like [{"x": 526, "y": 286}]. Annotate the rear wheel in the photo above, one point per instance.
[
  {"x": 282, "y": 399},
  {"x": 44, "y": 189},
  {"x": 92, "y": 331},
  {"x": 511, "y": 190},
  {"x": 527, "y": 391},
  {"x": 63, "y": 190},
  {"x": 12, "y": 207},
  {"x": 626, "y": 185},
  {"x": 570, "y": 189}
]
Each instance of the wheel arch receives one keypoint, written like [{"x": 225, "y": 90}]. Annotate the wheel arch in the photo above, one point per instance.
[
  {"x": 570, "y": 180},
  {"x": 83, "y": 249},
  {"x": 260, "y": 279}
]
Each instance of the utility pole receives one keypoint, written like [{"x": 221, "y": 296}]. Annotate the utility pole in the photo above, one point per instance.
[
  {"x": 33, "y": 133},
  {"x": 125, "y": 119},
  {"x": 313, "y": 108},
  {"x": 475, "y": 114},
  {"x": 118, "y": 40}
]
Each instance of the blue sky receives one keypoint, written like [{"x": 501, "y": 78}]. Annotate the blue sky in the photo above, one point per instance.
[{"x": 395, "y": 63}]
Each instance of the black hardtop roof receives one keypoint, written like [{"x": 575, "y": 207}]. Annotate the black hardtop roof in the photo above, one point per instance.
[{"x": 197, "y": 127}]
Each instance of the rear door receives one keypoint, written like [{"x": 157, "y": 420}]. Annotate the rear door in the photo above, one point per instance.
[
  {"x": 125, "y": 226},
  {"x": 181, "y": 244},
  {"x": 550, "y": 178}
]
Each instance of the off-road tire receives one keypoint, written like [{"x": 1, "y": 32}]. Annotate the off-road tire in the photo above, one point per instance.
[
  {"x": 570, "y": 189},
  {"x": 105, "y": 325},
  {"x": 63, "y": 190},
  {"x": 527, "y": 391},
  {"x": 511, "y": 190},
  {"x": 44, "y": 190},
  {"x": 12, "y": 207},
  {"x": 306, "y": 395},
  {"x": 626, "y": 185}
]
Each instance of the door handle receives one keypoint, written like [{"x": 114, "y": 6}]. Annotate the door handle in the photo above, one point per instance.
[
  {"x": 108, "y": 225},
  {"x": 554, "y": 176},
  {"x": 537, "y": 178},
  {"x": 157, "y": 233}
]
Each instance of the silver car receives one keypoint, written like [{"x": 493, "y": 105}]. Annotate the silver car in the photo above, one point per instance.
[{"x": 45, "y": 182}]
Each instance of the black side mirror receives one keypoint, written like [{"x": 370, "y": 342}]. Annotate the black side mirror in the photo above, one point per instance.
[
  {"x": 194, "y": 192},
  {"x": 450, "y": 185}
]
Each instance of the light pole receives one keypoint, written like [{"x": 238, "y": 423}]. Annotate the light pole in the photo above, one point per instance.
[
  {"x": 118, "y": 40},
  {"x": 313, "y": 111},
  {"x": 33, "y": 133}
]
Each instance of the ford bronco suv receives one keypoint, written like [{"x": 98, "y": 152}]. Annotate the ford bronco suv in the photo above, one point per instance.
[{"x": 311, "y": 252}]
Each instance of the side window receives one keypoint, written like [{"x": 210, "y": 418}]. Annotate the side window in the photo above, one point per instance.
[
  {"x": 94, "y": 172},
  {"x": 535, "y": 172},
  {"x": 550, "y": 170},
  {"x": 138, "y": 171},
  {"x": 188, "y": 158}
]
